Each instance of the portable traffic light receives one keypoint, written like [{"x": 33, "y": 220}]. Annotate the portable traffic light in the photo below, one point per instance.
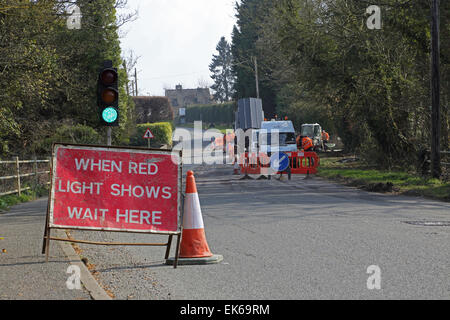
[{"x": 108, "y": 95}]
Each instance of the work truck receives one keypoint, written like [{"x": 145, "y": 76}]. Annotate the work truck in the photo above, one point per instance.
[{"x": 277, "y": 136}]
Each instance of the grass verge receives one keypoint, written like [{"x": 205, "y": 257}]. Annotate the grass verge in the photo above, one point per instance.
[
  {"x": 355, "y": 173},
  {"x": 205, "y": 126},
  {"x": 28, "y": 195}
]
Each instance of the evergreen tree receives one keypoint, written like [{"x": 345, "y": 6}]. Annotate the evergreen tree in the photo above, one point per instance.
[
  {"x": 221, "y": 72},
  {"x": 322, "y": 64},
  {"x": 49, "y": 72},
  {"x": 246, "y": 46}
]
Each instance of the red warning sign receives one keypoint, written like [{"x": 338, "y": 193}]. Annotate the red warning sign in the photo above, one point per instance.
[
  {"x": 117, "y": 189},
  {"x": 148, "y": 134}
]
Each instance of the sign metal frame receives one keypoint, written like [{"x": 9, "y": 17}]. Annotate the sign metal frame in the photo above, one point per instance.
[{"x": 49, "y": 216}]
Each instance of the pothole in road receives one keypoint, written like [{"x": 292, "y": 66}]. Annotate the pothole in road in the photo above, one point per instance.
[{"x": 429, "y": 223}]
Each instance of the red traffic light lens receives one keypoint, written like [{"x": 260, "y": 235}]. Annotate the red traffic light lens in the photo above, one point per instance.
[
  {"x": 108, "y": 76},
  {"x": 109, "y": 96}
]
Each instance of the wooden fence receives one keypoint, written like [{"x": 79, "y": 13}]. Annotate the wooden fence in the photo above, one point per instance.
[{"x": 18, "y": 175}]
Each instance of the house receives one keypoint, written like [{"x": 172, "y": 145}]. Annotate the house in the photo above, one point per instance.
[{"x": 181, "y": 98}]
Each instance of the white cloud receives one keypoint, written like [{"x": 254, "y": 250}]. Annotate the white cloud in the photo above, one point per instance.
[{"x": 175, "y": 40}]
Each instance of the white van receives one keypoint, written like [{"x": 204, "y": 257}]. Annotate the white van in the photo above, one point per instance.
[{"x": 286, "y": 137}]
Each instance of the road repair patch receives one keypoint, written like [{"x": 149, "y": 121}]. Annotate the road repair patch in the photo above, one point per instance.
[{"x": 429, "y": 223}]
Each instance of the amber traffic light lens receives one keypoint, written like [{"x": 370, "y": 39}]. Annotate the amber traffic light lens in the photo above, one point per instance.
[
  {"x": 108, "y": 77},
  {"x": 109, "y": 96}
]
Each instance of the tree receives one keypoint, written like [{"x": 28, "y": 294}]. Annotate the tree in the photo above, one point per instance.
[
  {"x": 221, "y": 72},
  {"x": 153, "y": 109},
  {"x": 251, "y": 18},
  {"x": 321, "y": 63},
  {"x": 48, "y": 73}
]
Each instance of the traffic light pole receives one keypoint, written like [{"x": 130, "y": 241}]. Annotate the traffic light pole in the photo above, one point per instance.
[
  {"x": 108, "y": 136},
  {"x": 435, "y": 93}
]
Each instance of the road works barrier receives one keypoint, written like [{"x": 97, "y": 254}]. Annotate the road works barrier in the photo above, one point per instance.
[
  {"x": 194, "y": 248},
  {"x": 299, "y": 163},
  {"x": 226, "y": 143},
  {"x": 100, "y": 188}
]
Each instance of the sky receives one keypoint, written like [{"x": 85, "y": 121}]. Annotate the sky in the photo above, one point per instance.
[{"x": 175, "y": 40}]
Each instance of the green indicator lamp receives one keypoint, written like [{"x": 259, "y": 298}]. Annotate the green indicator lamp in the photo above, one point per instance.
[{"x": 109, "y": 115}]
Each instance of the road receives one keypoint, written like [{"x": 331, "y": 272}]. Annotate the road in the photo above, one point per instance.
[
  {"x": 24, "y": 274},
  {"x": 280, "y": 239},
  {"x": 298, "y": 239}
]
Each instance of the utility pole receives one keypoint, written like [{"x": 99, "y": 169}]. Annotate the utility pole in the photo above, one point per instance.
[
  {"x": 435, "y": 92},
  {"x": 127, "y": 87},
  {"x": 135, "y": 82},
  {"x": 256, "y": 77}
]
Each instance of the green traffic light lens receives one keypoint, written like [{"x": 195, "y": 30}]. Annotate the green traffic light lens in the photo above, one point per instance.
[{"x": 109, "y": 115}]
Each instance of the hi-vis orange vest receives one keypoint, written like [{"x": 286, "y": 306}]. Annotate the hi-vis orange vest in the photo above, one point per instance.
[
  {"x": 307, "y": 143},
  {"x": 325, "y": 136},
  {"x": 225, "y": 142}
]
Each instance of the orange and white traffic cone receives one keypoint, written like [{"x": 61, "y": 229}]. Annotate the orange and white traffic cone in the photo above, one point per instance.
[
  {"x": 193, "y": 238},
  {"x": 193, "y": 248}
]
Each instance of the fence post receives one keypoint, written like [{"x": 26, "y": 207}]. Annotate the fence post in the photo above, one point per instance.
[
  {"x": 18, "y": 175},
  {"x": 36, "y": 179}
]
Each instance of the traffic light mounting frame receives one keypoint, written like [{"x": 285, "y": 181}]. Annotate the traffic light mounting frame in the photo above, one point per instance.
[{"x": 108, "y": 95}]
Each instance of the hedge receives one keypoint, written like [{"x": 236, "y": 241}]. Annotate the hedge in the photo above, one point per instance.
[
  {"x": 153, "y": 109},
  {"x": 212, "y": 113},
  {"x": 67, "y": 133},
  {"x": 162, "y": 134}
]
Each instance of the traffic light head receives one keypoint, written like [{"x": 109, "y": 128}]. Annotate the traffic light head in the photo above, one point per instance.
[
  {"x": 108, "y": 95},
  {"x": 108, "y": 76}
]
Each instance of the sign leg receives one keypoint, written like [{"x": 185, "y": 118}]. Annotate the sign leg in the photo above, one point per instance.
[
  {"x": 47, "y": 245},
  {"x": 45, "y": 235},
  {"x": 177, "y": 252},
  {"x": 169, "y": 243},
  {"x": 46, "y": 230}
]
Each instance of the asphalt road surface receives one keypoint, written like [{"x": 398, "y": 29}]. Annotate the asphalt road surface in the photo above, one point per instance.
[
  {"x": 280, "y": 239},
  {"x": 298, "y": 239},
  {"x": 24, "y": 273}
]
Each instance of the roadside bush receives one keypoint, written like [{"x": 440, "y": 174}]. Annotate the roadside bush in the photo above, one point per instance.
[
  {"x": 212, "y": 113},
  {"x": 11, "y": 200},
  {"x": 162, "y": 132},
  {"x": 79, "y": 133}
]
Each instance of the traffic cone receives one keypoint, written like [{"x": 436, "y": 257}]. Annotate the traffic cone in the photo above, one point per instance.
[{"x": 194, "y": 248}]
